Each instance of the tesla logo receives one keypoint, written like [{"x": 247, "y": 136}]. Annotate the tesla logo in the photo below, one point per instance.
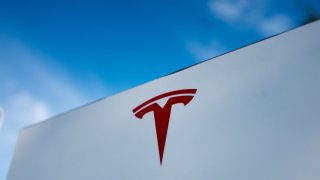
[{"x": 162, "y": 114}]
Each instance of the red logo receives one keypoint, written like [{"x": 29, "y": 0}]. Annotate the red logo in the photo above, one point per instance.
[{"x": 162, "y": 114}]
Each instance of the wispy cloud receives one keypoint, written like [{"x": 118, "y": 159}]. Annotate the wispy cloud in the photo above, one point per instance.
[
  {"x": 245, "y": 13},
  {"x": 205, "y": 51},
  {"x": 30, "y": 109},
  {"x": 275, "y": 24},
  {"x": 240, "y": 14},
  {"x": 228, "y": 10}
]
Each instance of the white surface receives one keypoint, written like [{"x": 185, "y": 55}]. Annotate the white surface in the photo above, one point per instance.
[{"x": 256, "y": 115}]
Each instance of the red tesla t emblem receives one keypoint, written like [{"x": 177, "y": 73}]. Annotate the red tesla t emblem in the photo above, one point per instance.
[{"x": 162, "y": 114}]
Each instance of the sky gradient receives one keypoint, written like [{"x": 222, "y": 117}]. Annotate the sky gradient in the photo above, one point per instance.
[{"x": 58, "y": 55}]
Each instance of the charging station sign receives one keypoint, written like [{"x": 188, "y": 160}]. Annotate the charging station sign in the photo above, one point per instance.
[{"x": 250, "y": 114}]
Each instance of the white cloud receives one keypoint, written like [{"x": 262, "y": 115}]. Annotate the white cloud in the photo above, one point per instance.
[
  {"x": 205, "y": 51},
  {"x": 228, "y": 10},
  {"x": 27, "y": 109},
  {"x": 275, "y": 24},
  {"x": 246, "y": 14}
]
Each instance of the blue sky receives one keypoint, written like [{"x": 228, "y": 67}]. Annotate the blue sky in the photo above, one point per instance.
[{"x": 58, "y": 55}]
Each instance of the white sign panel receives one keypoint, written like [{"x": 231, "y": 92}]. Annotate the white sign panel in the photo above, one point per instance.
[{"x": 251, "y": 114}]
